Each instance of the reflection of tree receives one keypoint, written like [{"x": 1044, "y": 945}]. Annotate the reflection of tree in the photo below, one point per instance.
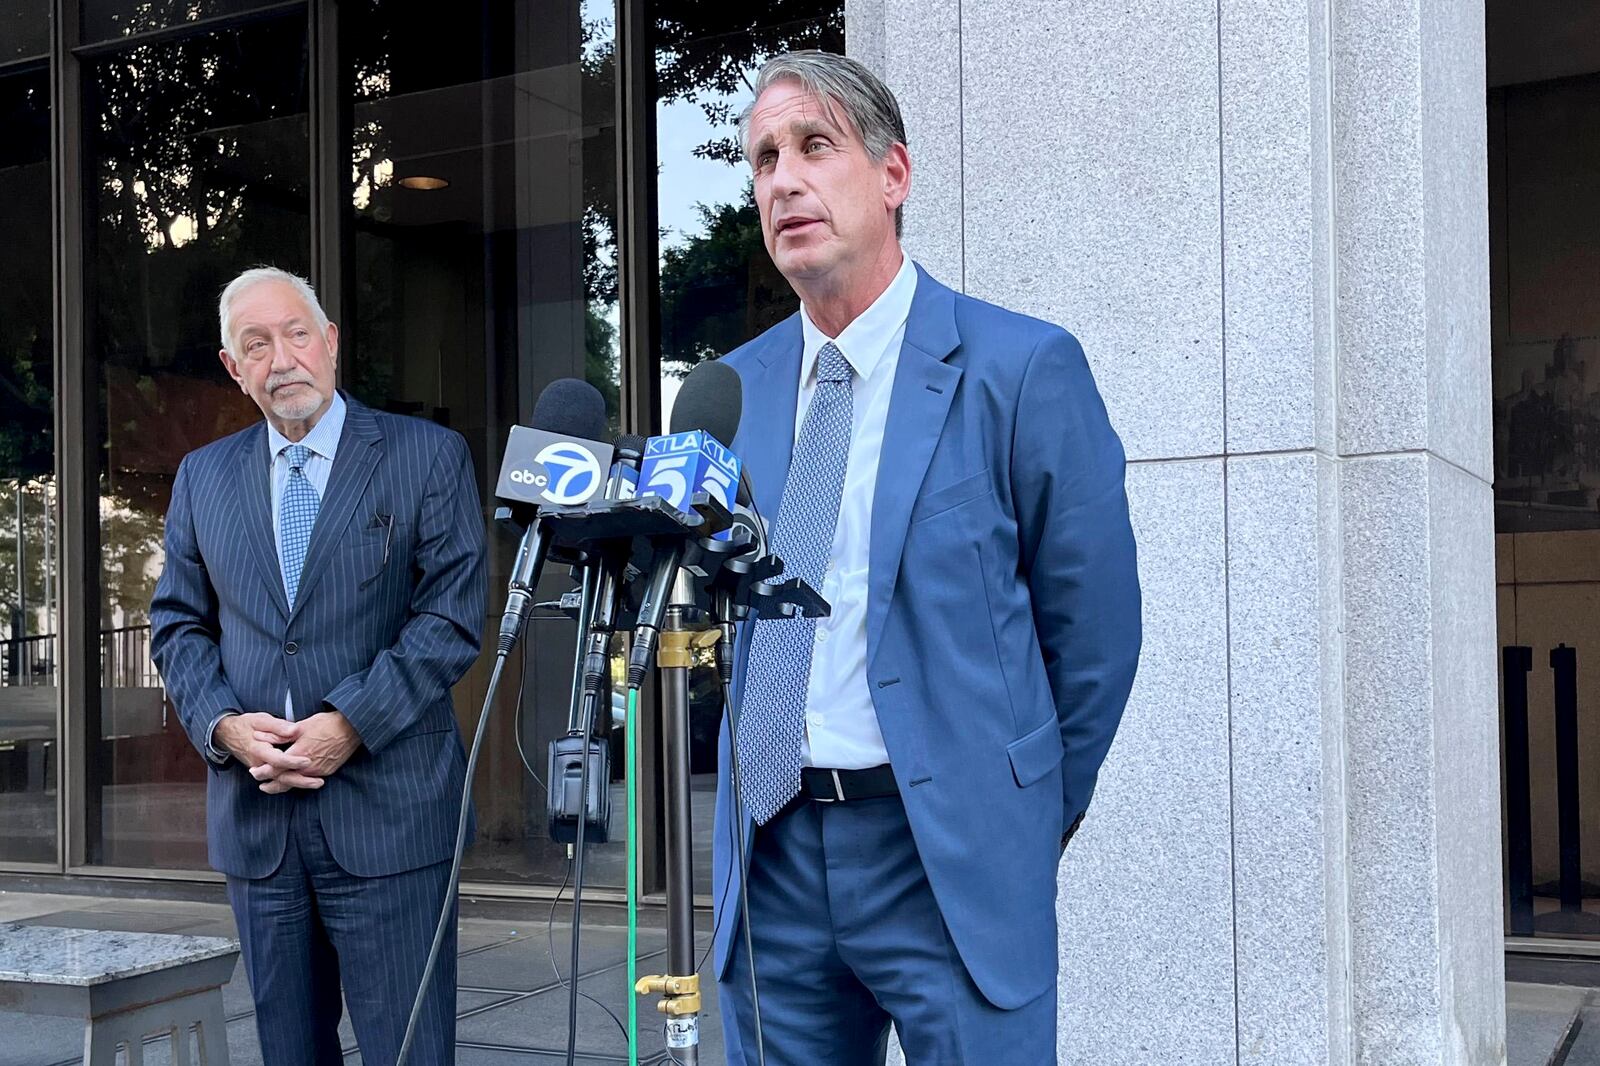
[
  {"x": 197, "y": 151},
  {"x": 600, "y": 356},
  {"x": 33, "y": 531},
  {"x": 198, "y": 157},
  {"x": 131, "y": 546},
  {"x": 703, "y": 53},
  {"x": 705, "y": 50},
  {"x": 128, "y": 17},
  {"x": 719, "y": 288},
  {"x": 26, "y": 393}
]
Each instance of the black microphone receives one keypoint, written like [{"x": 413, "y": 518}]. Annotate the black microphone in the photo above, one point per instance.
[
  {"x": 712, "y": 400},
  {"x": 559, "y": 460}
]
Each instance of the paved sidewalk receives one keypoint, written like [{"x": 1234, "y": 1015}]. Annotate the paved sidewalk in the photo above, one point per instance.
[{"x": 511, "y": 1010}]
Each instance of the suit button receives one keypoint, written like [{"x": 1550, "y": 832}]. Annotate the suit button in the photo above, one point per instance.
[{"x": 290, "y": 648}]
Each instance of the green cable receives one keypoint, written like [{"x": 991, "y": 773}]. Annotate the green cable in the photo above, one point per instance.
[{"x": 630, "y": 772}]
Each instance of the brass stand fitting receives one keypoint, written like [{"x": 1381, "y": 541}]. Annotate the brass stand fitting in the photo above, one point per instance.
[
  {"x": 673, "y": 651},
  {"x": 682, "y": 993},
  {"x": 677, "y": 646}
]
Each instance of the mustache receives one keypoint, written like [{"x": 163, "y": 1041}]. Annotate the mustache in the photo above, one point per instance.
[{"x": 278, "y": 381}]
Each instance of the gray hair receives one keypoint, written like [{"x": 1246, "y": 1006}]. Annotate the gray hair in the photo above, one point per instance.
[
  {"x": 837, "y": 80},
  {"x": 249, "y": 280}
]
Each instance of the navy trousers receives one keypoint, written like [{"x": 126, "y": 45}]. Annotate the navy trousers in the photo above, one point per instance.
[
  {"x": 309, "y": 927},
  {"x": 848, "y": 938}
]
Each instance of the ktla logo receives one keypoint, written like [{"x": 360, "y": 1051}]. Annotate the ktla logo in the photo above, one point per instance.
[{"x": 565, "y": 473}]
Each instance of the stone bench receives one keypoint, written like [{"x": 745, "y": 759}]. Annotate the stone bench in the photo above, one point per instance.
[{"x": 125, "y": 986}]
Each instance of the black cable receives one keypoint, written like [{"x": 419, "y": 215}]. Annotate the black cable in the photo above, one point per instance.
[
  {"x": 454, "y": 882},
  {"x": 516, "y": 730},
  {"x": 550, "y": 940},
  {"x": 585, "y": 728},
  {"x": 522, "y": 689}
]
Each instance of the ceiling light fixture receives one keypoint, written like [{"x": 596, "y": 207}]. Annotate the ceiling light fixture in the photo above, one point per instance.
[{"x": 424, "y": 183}]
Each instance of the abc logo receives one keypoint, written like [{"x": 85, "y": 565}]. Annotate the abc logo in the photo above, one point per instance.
[
  {"x": 572, "y": 473},
  {"x": 538, "y": 479}
]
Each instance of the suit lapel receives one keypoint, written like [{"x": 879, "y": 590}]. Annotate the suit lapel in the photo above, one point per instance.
[
  {"x": 771, "y": 388},
  {"x": 924, "y": 385},
  {"x": 360, "y": 448},
  {"x": 253, "y": 487}
]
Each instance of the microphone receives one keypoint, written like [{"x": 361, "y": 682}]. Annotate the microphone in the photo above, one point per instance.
[
  {"x": 607, "y": 572},
  {"x": 578, "y": 802},
  {"x": 693, "y": 458},
  {"x": 559, "y": 460}
]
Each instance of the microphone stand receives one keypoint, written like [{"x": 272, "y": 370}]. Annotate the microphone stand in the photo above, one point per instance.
[
  {"x": 684, "y": 628},
  {"x": 740, "y": 583}
]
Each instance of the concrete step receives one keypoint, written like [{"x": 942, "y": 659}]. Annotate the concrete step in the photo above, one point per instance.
[
  {"x": 1542, "y": 1022},
  {"x": 1585, "y": 1046}
]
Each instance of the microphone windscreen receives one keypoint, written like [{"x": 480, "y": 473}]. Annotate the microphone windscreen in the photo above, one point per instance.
[
  {"x": 630, "y": 446},
  {"x": 571, "y": 407},
  {"x": 711, "y": 398}
]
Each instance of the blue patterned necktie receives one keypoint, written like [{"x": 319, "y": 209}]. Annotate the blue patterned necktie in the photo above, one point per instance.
[
  {"x": 772, "y": 718},
  {"x": 297, "y": 513}
]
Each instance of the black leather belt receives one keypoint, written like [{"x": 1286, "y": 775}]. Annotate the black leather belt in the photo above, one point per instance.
[{"x": 841, "y": 786}]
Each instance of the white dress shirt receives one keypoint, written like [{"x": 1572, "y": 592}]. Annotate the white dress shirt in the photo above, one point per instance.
[
  {"x": 841, "y": 725},
  {"x": 323, "y": 440}
]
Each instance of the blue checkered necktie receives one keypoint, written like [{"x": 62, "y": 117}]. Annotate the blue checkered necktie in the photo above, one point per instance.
[
  {"x": 297, "y": 513},
  {"x": 773, "y": 712}
]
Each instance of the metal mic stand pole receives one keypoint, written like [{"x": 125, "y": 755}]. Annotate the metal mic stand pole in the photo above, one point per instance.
[{"x": 684, "y": 628}]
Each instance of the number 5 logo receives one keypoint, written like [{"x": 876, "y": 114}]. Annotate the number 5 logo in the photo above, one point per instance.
[{"x": 667, "y": 480}]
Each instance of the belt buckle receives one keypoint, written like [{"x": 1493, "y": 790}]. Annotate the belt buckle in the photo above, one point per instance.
[{"x": 838, "y": 790}]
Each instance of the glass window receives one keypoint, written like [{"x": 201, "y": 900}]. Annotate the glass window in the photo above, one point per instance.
[
  {"x": 719, "y": 287},
  {"x": 483, "y": 175},
  {"x": 107, "y": 19},
  {"x": 29, "y": 546},
  {"x": 1544, "y": 212},
  {"x": 196, "y": 164},
  {"x": 24, "y": 29}
]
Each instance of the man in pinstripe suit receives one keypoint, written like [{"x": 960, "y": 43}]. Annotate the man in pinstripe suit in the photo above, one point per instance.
[{"x": 323, "y": 590}]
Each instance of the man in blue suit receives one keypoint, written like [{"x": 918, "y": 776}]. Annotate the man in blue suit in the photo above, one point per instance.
[
  {"x": 323, "y": 590},
  {"x": 913, "y": 765}
]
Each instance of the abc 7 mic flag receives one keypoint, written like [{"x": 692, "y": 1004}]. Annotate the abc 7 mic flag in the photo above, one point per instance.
[{"x": 548, "y": 468}]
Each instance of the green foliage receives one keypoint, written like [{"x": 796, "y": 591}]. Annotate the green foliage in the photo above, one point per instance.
[{"x": 719, "y": 288}]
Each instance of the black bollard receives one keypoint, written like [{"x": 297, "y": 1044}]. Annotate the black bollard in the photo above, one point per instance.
[
  {"x": 1516, "y": 661},
  {"x": 1564, "y": 661}
]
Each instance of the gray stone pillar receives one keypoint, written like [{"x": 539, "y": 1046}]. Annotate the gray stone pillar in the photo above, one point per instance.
[{"x": 1267, "y": 222}]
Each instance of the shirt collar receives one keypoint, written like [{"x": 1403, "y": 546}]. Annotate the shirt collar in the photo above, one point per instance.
[
  {"x": 323, "y": 438},
  {"x": 864, "y": 341}
]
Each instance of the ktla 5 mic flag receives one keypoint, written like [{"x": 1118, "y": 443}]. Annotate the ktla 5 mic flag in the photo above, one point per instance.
[
  {"x": 548, "y": 468},
  {"x": 676, "y": 467}
]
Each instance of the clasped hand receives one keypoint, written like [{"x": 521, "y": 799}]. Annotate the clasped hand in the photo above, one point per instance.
[{"x": 317, "y": 746}]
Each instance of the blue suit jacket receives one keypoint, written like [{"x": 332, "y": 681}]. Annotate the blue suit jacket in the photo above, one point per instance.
[
  {"x": 379, "y": 632},
  {"x": 1003, "y": 610}
]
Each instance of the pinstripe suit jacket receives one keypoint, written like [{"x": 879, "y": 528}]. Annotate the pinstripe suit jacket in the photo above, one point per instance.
[{"x": 384, "y": 623}]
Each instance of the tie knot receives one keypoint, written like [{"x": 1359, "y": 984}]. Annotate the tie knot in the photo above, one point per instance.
[
  {"x": 831, "y": 364},
  {"x": 298, "y": 455}
]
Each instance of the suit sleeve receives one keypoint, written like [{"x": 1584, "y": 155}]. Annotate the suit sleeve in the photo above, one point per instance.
[
  {"x": 183, "y": 625},
  {"x": 441, "y": 639},
  {"x": 1077, "y": 555}
]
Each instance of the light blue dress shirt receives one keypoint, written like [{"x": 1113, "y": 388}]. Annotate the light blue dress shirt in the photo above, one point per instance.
[{"x": 323, "y": 440}]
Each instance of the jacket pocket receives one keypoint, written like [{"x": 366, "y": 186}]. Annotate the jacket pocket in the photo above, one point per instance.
[
  {"x": 951, "y": 496},
  {"x": 1036, "y": 753}
]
